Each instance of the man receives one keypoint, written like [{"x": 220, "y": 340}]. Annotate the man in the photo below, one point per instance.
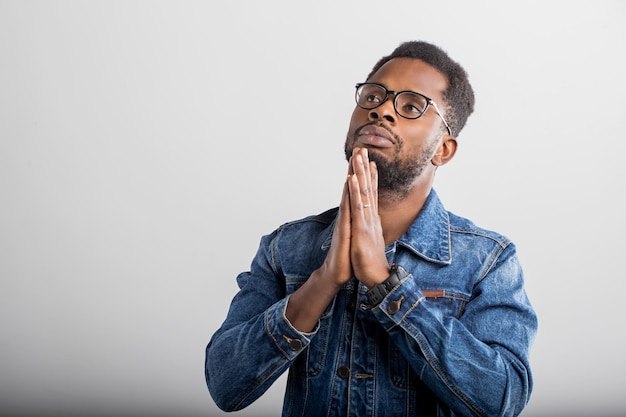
[{"x": 388, "y": 305}]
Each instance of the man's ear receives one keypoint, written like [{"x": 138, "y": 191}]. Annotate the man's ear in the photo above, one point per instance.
[{"x": 446, "y": 151}]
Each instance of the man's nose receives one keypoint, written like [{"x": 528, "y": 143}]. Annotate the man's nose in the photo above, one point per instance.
[{"x": 385, "y": 111}]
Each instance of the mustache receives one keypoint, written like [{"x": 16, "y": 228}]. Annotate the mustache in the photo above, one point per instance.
[{"x": 397, "y": 138}]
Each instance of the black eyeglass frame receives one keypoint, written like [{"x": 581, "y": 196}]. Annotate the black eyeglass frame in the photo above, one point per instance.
[{"x": 429, "y": 102}]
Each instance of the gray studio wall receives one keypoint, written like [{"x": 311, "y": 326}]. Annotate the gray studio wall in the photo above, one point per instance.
[{"x": 146, "y": 146}]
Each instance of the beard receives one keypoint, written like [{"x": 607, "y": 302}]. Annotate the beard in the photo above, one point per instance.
[{"x": 397, "y": 175}]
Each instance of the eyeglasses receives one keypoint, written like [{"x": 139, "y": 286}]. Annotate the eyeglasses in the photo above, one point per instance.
[{"x": 408, "y": 104}]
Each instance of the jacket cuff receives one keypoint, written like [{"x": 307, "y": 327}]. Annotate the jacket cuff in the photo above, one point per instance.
[
  {"x": 289, "y": 340},
  {"x": 399, "y": 302}
]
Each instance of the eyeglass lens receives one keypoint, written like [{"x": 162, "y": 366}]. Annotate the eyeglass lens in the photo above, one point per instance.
[{"x": 407, "y": 104}]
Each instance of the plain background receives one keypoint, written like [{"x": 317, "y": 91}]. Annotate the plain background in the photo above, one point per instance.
[{"x": 145, "y": 147}]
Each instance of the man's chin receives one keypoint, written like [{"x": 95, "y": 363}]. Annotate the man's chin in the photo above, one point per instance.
[{"x": 377, "y": 156}]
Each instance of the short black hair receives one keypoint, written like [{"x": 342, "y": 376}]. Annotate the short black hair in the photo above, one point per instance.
[{"x": 458, "y": 96}]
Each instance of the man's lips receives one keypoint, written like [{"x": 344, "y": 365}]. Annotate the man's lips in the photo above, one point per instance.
[{"x": 375, "y": 136}]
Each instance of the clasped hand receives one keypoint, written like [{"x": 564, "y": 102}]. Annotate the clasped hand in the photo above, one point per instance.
[{"x": 358, "y": 245}]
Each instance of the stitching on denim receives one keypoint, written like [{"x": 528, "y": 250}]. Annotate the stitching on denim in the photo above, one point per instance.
[
  {"x": 435, "y": 366},
  {"x": 419, "y": 300},
  {"x": 489, "y": 263},
  {"x": 344, "y": 325},
  {"x": 275, "y": 262},
  {"x": 500, "y": 240},
  {"x": 257, "y": 383},
  {"x": 269, "y": 332}
]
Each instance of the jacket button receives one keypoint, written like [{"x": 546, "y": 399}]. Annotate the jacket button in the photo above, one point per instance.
[
  {"x": 394, "y": 306},
  {"x": 295, "y": 344},
  {"x": 343, "y": 371}
]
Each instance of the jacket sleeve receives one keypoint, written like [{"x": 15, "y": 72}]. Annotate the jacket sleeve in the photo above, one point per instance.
[
  {"x": 256, "y": 343},
  {"x": 477, "y": 364}
]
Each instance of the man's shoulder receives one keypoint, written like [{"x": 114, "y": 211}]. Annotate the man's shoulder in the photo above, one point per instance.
[
  {"x": 465, "y": 226},
  {"x": 309, "y": 228},
  {"x": 440, "y": 223},
  {"x": 300, "y": 246},
  {"x": 324, "y": 219}
]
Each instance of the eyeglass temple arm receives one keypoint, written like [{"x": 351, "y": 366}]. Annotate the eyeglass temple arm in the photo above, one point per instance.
[{"x": 441, "y": 116}]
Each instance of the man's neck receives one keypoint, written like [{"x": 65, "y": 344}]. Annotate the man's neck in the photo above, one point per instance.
[{"x": 397, "y": 215}]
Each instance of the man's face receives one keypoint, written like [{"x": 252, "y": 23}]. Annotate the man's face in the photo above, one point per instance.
[{"x": 402, "y": 148}]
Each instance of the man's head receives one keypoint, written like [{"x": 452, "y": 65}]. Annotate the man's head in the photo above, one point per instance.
[
  {"x": 458, "y": 97},
  {"x": 401, "y": 116}
]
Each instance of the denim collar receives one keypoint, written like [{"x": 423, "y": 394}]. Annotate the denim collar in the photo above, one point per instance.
[{"x": 428, "y": 236}]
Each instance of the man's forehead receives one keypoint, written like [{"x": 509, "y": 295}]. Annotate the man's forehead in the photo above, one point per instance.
[{"x": 411, "y": 74}]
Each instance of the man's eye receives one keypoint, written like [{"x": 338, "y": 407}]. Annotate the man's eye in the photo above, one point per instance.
[
  {"x": 412, "y": 108},
  {"x": 411, "y": 105},
  {"x": 373, "y": 98}
]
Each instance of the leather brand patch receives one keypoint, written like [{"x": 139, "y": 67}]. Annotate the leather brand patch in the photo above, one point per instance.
[{"x": 434, "y": 293}]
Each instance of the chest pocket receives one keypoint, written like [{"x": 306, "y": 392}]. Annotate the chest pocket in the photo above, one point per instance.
[{"x": 441, "y": 303}]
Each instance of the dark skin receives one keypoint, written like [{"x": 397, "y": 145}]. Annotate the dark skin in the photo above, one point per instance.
[{"x": 369, "y": 218}]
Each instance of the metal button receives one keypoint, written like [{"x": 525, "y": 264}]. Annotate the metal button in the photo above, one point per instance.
[
  {"x": 295, "y": 344},
  {"x": 394, "y": 306},
  {"x": 343, "y": 371}
]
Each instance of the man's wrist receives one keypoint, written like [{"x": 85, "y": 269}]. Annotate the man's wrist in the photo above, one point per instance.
[{"x": 378, "y": 292}]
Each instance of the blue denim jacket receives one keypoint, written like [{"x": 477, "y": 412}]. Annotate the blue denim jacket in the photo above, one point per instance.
[{"x": 452, "y": 339}]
